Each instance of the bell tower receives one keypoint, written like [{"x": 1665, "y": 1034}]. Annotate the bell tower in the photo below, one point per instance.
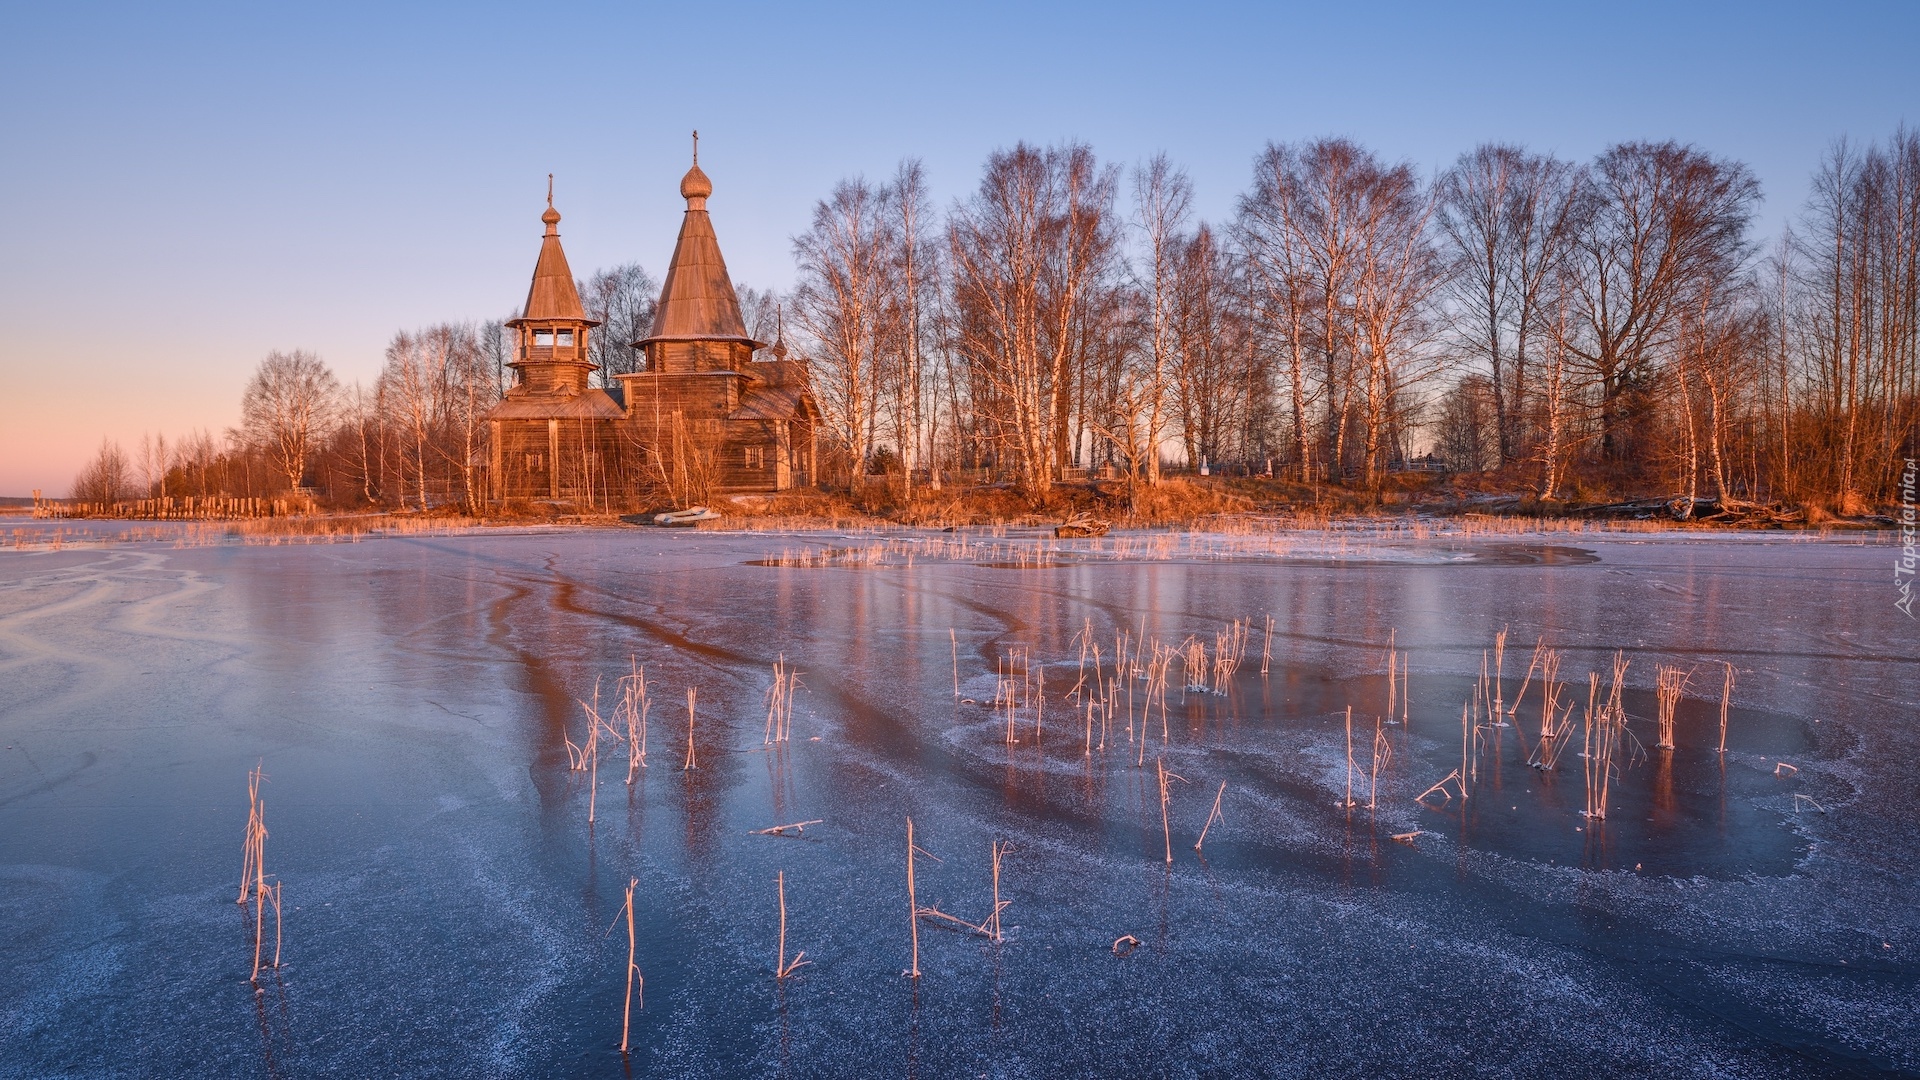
[{"x": 551, "y": 355}]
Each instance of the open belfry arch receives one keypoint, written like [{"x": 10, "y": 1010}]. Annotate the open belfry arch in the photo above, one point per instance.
[{"x": 704, "y": 417}]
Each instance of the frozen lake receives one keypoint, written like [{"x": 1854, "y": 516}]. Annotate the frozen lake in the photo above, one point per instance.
[{"x": 449, "y": 910}]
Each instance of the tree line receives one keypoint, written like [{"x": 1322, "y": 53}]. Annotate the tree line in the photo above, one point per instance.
[
  {"x": 1584, "y": 330},
  {"x": 1587, "y": 329}
]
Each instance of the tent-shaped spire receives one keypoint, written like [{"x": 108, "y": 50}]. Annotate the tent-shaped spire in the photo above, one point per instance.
[
  {"x": 552, "y": 295},
  {"x": 697, "y": 302}
]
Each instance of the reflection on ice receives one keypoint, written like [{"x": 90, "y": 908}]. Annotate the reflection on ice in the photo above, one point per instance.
[{"x": 1063, "y": 722}]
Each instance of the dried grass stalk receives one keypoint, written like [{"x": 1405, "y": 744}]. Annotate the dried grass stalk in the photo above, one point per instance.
[
  {"x": 690, "y": 763},
  {"x": 1669, "y": 684},
  {"x": 797, "y": 827},
  {"x": 1166, "y": 829},
  {"x": 1348, "y": 802},
  {"x": 1453, "y": 778},
  {"x": 1212, "y": 816},
  {"x": 913, "y": 906},
  {"x": 1726, "y": 701},
  {"x": 633, "y": 710},
  {"x": 1000, "y": 851},
  {"x": 1382, "y": 756},
  {"x": 633, "y": 971},
  {"x": 782, "y": 968},
  {"x": 254, "y": 846}
]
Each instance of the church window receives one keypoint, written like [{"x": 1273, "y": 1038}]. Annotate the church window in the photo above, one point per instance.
[
  {"x": 563, "y": 338},
  {"x": 543, "y": 339}
]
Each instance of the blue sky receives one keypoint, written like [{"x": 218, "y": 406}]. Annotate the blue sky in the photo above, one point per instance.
[{"x": 186, "y": 187}]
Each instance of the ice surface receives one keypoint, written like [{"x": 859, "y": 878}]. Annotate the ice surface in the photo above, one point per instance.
[{"x": 450, "y": 912}]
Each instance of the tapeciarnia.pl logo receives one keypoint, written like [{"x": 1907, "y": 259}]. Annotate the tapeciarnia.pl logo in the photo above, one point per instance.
[{"x": 1903, "y": 567}]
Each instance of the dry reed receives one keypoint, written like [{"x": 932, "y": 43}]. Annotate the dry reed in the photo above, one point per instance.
[
  {"x": 1085, "y": 638},
  {"x": 1441, "y": 787},
  {"x": 253, "y": 850},
  {"x": 253, "y": 873},
  {"x": 1458, "y": 777},
  {"x": 1382, "y": 755},
  {"x": 1166, "y": 829},
  {"x": 913, "y": 906},
  {"x": 1726, "y": 700},
  {"x": 1194, "y": 661},
  {"x": 1405, "y": 691},
  {"x": 1499, "y": 669},
  {"x": 579, "y": 753},
  {"x": 1229, "y": 648},
  {"x": 690, "y": 762},
  {"x": 1157, "y": 669},
  {"x": 1539, "y": 655},
  {"x": 277, "y": 886},
  {"x": 1348, "y": 803},
  {"x": 587, "y": 756},
  {"x": 1546, "y": 753},
  {"x": 633, "y": 970},
  {"x": 1000, "y": 850},
  {"x": 263, "y": 894},
  {"x": 798, "y": 827},
  {"x": 1669, "y": 684},
  {"x": 633, "y": 709},
  {"x": 988, "y": 927},
  {"x": 782, "y": 968},
  {"x": 1604, "y": 731},
  {"x": 1391, "y": 658},
  {"x": 786, "y": 682},
  {"x": 1212, "y": 816}
]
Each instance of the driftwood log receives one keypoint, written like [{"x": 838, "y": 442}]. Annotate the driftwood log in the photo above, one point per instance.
[{"x": 1081, "y": 525}]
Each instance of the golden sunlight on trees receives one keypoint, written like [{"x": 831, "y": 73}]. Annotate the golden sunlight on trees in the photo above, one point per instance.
[
  {"x": 1588, "y": 331},
  {"x": 288, "y": 406}
]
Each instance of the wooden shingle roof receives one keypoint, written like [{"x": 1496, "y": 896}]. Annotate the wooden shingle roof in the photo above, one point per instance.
[
  {"x": 552, "y": 295},
  {"x": 697, "y": 301},
  {"x": 591, "y": 404}
]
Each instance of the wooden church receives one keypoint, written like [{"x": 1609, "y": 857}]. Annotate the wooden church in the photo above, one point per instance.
[{"x": 703, "y": 418}]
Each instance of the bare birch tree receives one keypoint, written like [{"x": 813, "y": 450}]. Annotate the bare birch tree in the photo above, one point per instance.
[
  {"x": 1397, "y": 272},
  {"x": 621, "y": 298},
  {"x": 286, "y": 409},
  {"x": 1508, "y": 217},
  {"x": 1026, "y": 251},
  {"x": 1215, "y": 382},
  {"x": 1859, "y": 280},
  {"x": 841, "y": 300},
  {"x": 1162, "y": 202},
  {"x": 436, "y": 390},
  {"x": 1661, "y": 221},
  {"x": 915, "y": 270},
  {"x": 1281, "y": 278},
  {"x": 107, "y": 478}
]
